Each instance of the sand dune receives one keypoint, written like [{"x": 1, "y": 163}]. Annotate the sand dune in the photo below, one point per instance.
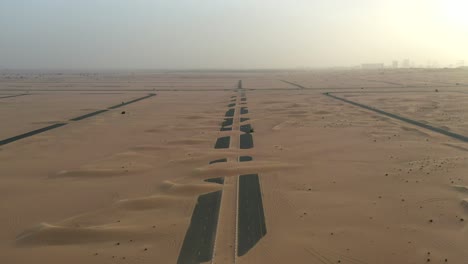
[
  {"x": 154, "y": 202},
  {"x": 91, "y": 173},
  {"x": 188, "y": 189},
  {"x": 287, "y": 124},
  {"x": 463, "y": 189},
  {"x": 188, "y": 141},
  {"x": 47, "y": 234},
  {"x": 155, "y": 148},
  {"x": 119, "y": 164},
  {"x": 232, "y": 168}
]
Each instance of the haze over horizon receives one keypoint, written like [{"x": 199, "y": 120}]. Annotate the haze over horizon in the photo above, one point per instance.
[{"x": 144, "y": 34}]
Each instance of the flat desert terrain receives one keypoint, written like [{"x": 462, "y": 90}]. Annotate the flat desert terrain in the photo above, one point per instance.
[{"x": 343, "y": 166}]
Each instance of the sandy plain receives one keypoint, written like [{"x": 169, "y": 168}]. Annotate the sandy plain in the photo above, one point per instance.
[{"x": 339, "y": 183}]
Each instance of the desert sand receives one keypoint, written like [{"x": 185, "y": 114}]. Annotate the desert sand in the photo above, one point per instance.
[{"x": 337, "y": 183}]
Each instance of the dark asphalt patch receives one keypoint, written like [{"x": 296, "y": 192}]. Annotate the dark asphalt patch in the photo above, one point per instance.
[
  {"x": 230, "y": 112},
  {"x": 225, "y": 128},
  {"x": 132, "y": 101},
  {"x": 223, "y": 142},
  {"x": 247, "y": 128},
  {"x": 218, "y": 161},
  {"x": 404, "y": 119},
  {"x": 219, "y": 180},
  {"x": 88, "y": 115},
  {"x": 251, "y": 218},
  {"x": 199, "y": 239},
  {"x": 227, "y": 122},
  {"x": 244, "y": 110},
  {"x": 10, "y": 96},
  {"x": 231, "y": 105},
  {"x": 243, "y": 99},
  {"x": 243, "y": 119},
  {"x": 294, "y": 84},
  {"x": 31, "y": 133},
  {"x": 246, "y": 141},
  {"x": 245, "y": 158}
]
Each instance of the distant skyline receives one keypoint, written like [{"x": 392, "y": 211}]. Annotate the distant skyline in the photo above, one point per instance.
[{"x": 242, "y": 34}]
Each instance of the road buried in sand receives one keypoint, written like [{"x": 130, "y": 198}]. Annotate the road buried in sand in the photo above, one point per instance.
[
  {"x": 79, "y": 118},
  {"x": 404, "y": 119}
]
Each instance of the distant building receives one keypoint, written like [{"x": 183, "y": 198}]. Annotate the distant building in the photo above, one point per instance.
[
  {"x": 372, "y": 66},
  {"x": 406, "y": 63},
  {"x": 461, "y": 63},
  {"x": 395, "y": 64}
]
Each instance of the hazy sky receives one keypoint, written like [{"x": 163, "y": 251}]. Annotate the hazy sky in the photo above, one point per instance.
[{"x": 168, "y": 34}]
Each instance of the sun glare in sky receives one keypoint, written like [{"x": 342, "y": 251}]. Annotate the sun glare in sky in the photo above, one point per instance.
[
  {"x": 231, "y": 33},
  {"x": 456, "y": 11}
]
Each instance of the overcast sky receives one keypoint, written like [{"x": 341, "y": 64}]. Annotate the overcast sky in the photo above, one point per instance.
[{"x": 184, "y": 34}]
